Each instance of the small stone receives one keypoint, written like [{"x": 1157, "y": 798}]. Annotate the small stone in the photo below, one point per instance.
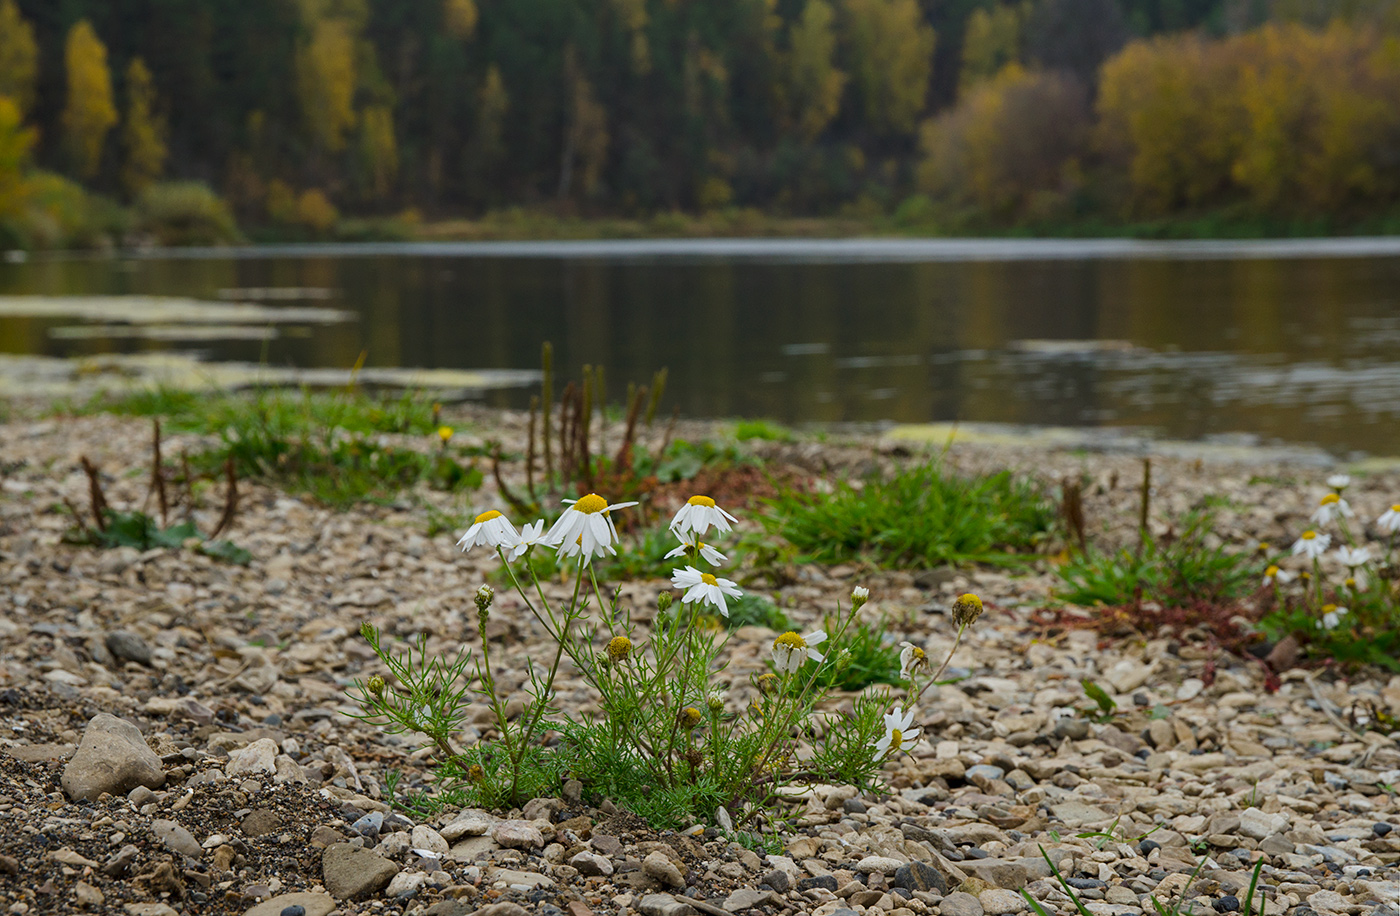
[
  {"x": 664, "y": 905},
  {"x": 882, "y": 864},
  {"x": 1226, "y": 904},
  {"x": 369, "y": 825},
  {"x": 778, "y": 880},
  {"x": 1380, "y": 829},
  {"x": 985, "y": 771},
  {"x": 658, "y": 866},
  {"x": 1073, "y": 729},
  {"x": 350, "y": 872},
  {"x": 996, "y": 902},
  {"x": 426, "y": 838},
  {"x": 112, "y": 757},
  {"x": 128, "y": 647},
  {"x": 405, "y": 884},
  {"x": 257, "y": 757},
  {"x": 517, "y": 835},
  {"x": 308, "y": 904},
  {"x": 120, "y": 861},
  {"x": 1257, "y": 825},
  {"x": 140, "y": 797},
  {"x": 592, "y": 865},
  {"x": 745, "y": 898},
  {"x": 176, "y": 838},
  {"x": 825, "y": 882},
  {"x": 467, "y": 823},
  {"x": 260, "y": 822},
  {"x": 1190, "y": 688},
  {"x": 960, "y": 904},
  {"x": 87, "y": 896},
  {"x": 1146, "y": 847},
  {"x": 919, "y": 876}
]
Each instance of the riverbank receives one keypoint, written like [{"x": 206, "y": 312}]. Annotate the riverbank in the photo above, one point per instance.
[{"x": 236, "y": 677}]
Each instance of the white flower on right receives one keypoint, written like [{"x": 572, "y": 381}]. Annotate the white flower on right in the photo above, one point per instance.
[
  {"x": 1312, "y": 545},
  {"x": 701, "y": 586},
  {"x": 1353, "y": 557},
  {"x": 1331, "y": 507},
  {"x": 1331, "y": 617},
  {"x": 898, "y": 734},
  {"x": 585, "y": 529},
  {"x": 911, "y": 659},
  {"x": 1389, "y": 522},
  {"x": 697, "y": 515},
  {"x": 791, "y": 650},
  {"x": 691, "y": 541},
  {"x": 1276, "y": 576},
  {"x": 490, "y": 529}
]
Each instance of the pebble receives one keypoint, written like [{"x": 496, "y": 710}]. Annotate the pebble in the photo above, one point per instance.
[
  {"x": 112, "y": 757},
  {"x": 307, "y": 903},
  {"x": 350, "y": 872},
  {"x": 128, "y": 647},
  {"x": 960, "y": 903}
]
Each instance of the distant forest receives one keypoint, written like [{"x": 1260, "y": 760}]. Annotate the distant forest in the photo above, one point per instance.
[{"x": 951, "y": 114}]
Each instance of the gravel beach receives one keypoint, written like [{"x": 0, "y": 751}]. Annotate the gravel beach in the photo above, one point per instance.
[{"x": 173, "y": 737}]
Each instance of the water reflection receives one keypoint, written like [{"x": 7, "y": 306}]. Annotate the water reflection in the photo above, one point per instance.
[{"x": 1303, "y": 350}]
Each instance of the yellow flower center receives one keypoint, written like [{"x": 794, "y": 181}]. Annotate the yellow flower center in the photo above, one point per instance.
[
  {"x": 790, "y": 640},
  {"x": 701, "y": 501},
  {"x": 1331, "y": 499},
  {"x": 488, "y": 515},
  {"x": 918, "y": 653},
  {"x": 1395, "y": 508},
  {"x": 1350, "y": 583},
  {"x": 1328, "y": 608},
  {"x": 444, "y": 433},
  {"x": 708, "y": 579},
  {"x": 619, "y": 647},
  {"x": 896, "y": 739},
  {"x": 1271, "y": 571},
  {"x": 591, "y": 504},
  {"x": 690, "y": 716},
  {"x": 1309, "y": 535}
]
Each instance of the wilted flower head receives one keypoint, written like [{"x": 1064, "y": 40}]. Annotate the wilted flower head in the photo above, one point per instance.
[
  {"x": 619, "y": 647},
  {"x": 967, "y": 609},
  {"x": 489, "y": 529},
  {"x": 688, "y": 717},
  {"x": 697, "y": 515},
  {"x": 768, "y": 684},
  {"x": 911, "y": 659},
  {"x": 1312, "y": 545},
  {"x": 530, "y": 535},
  {"x": 368, "y": 631},
  {"x": 1331, "y": 507},
  {"x": 791, "y": 650},
  {"x": 475, "y": 773},
  {"x": 691, "y": 541}
]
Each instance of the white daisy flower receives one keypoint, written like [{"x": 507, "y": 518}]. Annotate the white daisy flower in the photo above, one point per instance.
[
  {"x": 490, "y": 529},
  {"x": 585, "y": 529},
  {"x": 1332, "y": 506},
  {"x": 898, "y": 734},
  {"x": 1389, "y": 522},
  {"x": 1339, "y": 482},
  {"x": 692, "y": 541},
  {"x": 791, "y": 650},
  {"x": 701, "y": 586},
  {"x": 1353, "y": 557},
  {"x": 1312, "y": 545},
  {"x": 530, "y": 535},
  {"x": 911, "y": 659},
  {"x": 1274, "y": 575},
  {"x": 1331, "y": 617},
  {"x": 698, "y": 514}
]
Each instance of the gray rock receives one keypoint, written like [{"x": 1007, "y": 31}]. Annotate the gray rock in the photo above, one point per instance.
[
  {"x": 517, "y": 835},
  {"x": 259, "y": 757},
  {"x": 997, "y": 902},
  {"x": 592, "y": 865},
  {"x": 1257, "y": 825},
  {"x": 1073, "y": 729},
  {"x": 778, "y": 880},
  {"x": 509, "y": 877},
  {"x": 112, "y": 757},
  {"x": 997, "y": 872},
  {"x": 664, "y": 905},
  {"x": 405, "y": 885},
  {"x": 468, "y": 823},
  {"x": 658, "y": 866},
  {"x": 350, "y": 872},
  {"x": 313, "y": 904},
  {"x": 425, "y": 837},
  {"x": 985, "y": 771},
  {"x": 745, "y": 898},
  {"x": 882, "y": 864},
  {"x": 960, "y": 904},
  {"x": 128, "y": 647},
  {"x": 260, "y": 823},
  {"x": 176, "y": 838},
  {"x": 919, "y": 876},
  {"x": 120, "y": 861},
  {"x": 369, "y": 825}
]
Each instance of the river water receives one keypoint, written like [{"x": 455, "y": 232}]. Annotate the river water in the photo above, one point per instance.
[{"x": 1289, "y": 341}]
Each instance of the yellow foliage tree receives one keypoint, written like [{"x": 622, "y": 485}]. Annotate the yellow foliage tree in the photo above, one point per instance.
[
  {"x": 379, "y": 149},
  {"x": 143, "y": 132},
  {"x": 16, "y": 141},
  {"x": 459, "y": 17},
  {"x": 814, "y": 84},
  {"x": 586, "y": 135},
  {"x": 892, "y": 53},
  {"x": 326, "y": 80},
  {"x": 19, "y": 56},
  {"x": 491, "y": 110},
  {"x": 991, "y": 41},
  {"x": 90, "y": 111}
]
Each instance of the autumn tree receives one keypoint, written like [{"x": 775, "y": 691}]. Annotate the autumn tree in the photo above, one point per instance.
[
  {"x": 991, "y": 40},
  {"x": 379, "y": 149},
  {"x": 90, "y": 111},
  {"x": 326, "y": 71},
  {"x": 143, "y": 131},
  {"x": 16, "y": 141},
  {"x": 19, "y": 57},
  {"x": 585, "y": 133},
  {"x": 814, "y": 84},
  {"x": 892, "y": 59},
  {"x": 459, "y": 17}
]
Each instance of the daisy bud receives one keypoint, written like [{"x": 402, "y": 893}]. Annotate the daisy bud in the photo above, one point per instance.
[
  {"x": 619, "y": 647},
  {"x": 859, "y": 595},
  {"x": 368, "y": 631},
  {"x": 663, "y": 601},
  {"x": 484, "y": 596},
  {"x": 967, "y": 609},
  {"x": 694, "y": 757},
  {"x": 844, "y": 659},
  {"x": 716, "y": 703},
  {"x": 375, "y": 686},
  {"x": 689, "y": 717},
  {"x": 475, "y": 773}
]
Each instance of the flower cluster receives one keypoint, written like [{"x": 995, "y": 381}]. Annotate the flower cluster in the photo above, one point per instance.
[
  {"x": 584, "y": 530},
  {"x": 690, "y": 525}
]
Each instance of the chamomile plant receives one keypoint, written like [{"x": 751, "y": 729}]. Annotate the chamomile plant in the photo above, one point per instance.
[
  {"x": 1337, "y": 584},
  {"x": 677, "y": 738}
]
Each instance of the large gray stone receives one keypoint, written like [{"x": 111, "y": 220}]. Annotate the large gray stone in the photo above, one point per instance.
[
  {"x": 176, "y": 838},
  {"x": 314, "y": 904},
  {"x": 350, "y": 872},
  {"x": 112, "y": 757},
  {"x": 960, "y": 904}
]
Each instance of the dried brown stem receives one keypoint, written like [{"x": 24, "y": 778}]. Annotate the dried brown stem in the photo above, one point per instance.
[{"x": 99, "y": 501}]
